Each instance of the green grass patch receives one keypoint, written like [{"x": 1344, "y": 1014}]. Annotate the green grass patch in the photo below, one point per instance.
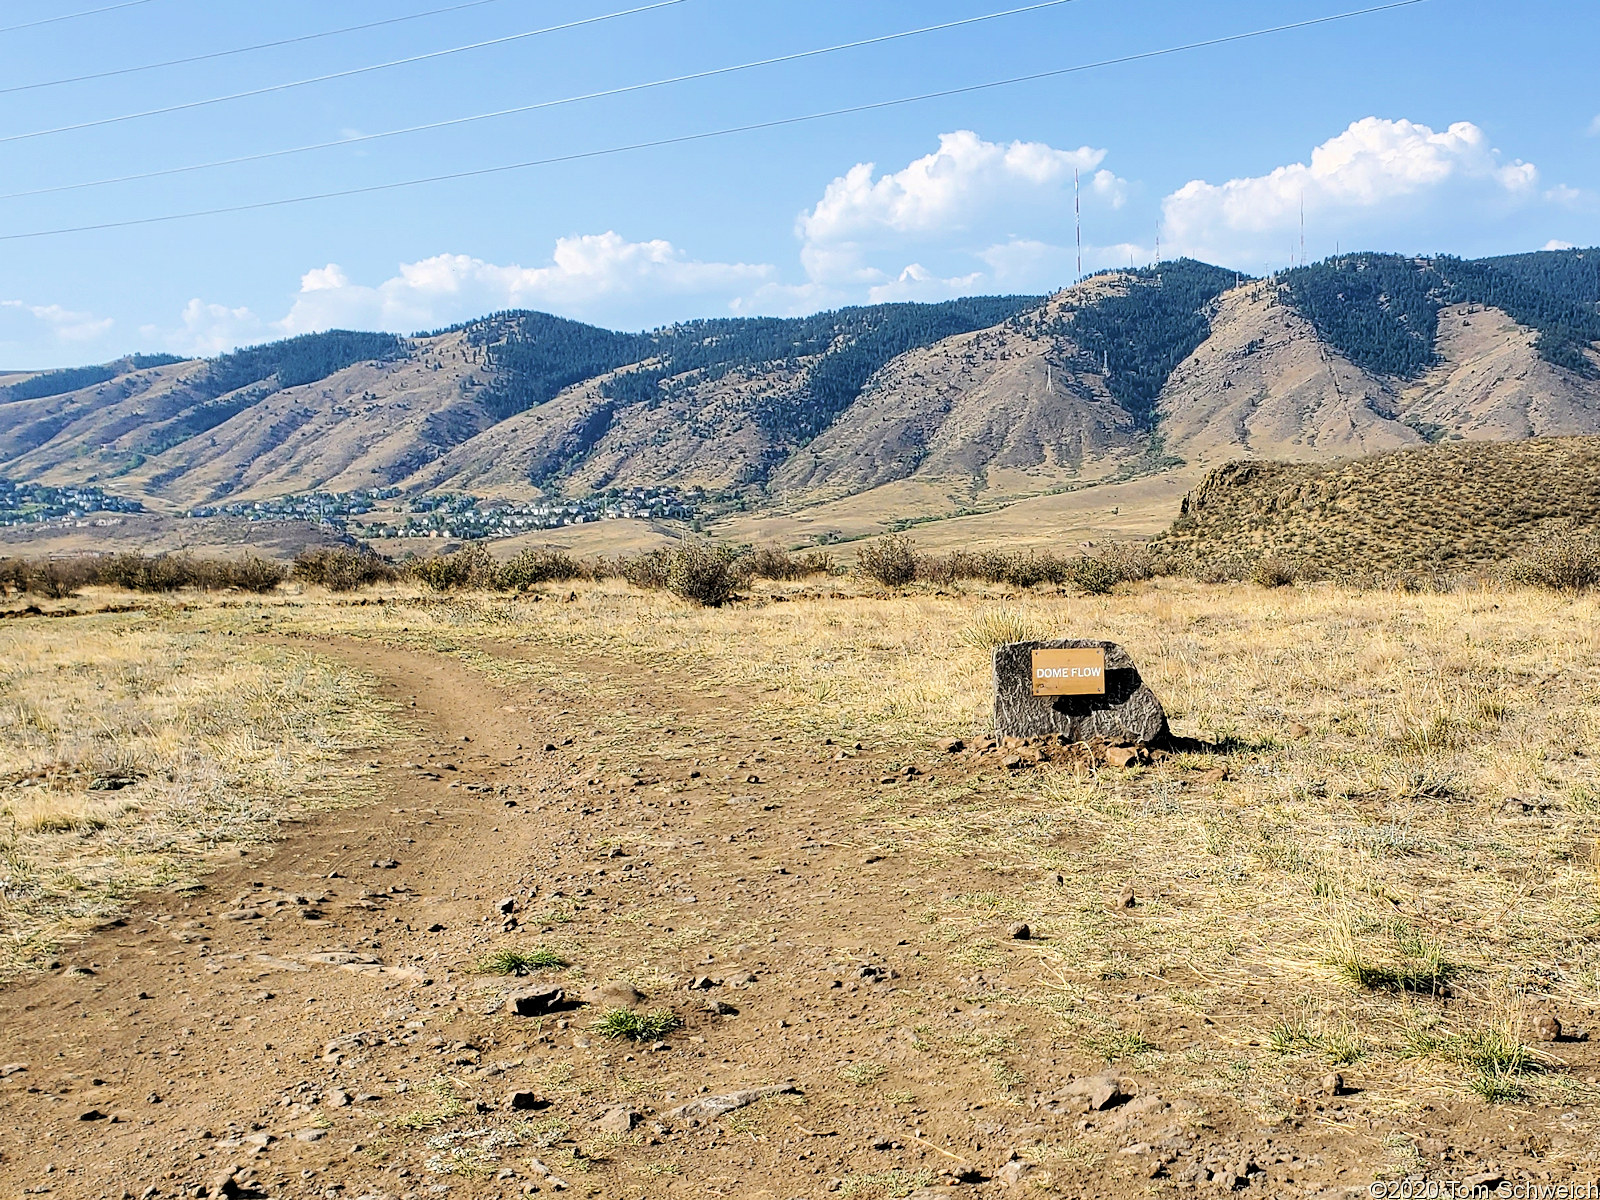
[
  {"x": 638, "y": 1027},
  {"x": 519, "y": 962}
]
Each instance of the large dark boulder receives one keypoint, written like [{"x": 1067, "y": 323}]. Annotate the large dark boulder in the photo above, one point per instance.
[{"x": 1127, "y": 714}]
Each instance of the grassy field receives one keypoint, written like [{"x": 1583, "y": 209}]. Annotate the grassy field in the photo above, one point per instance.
[
  {"x": 135, "y": 747},
  {"x": 1401, "y": 861}
]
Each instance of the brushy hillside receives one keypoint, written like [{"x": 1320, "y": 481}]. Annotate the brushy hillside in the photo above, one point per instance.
[{"x": 1451, "y": 507}]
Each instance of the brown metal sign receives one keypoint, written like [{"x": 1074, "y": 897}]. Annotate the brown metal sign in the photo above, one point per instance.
[{"x": 1077, "y": 672}]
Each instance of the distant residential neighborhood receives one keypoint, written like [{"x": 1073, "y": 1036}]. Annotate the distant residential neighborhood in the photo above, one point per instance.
[{"x": 28, "y": 503}]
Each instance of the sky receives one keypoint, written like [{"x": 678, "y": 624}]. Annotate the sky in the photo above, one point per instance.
[{"x": 1460, "y": 126}]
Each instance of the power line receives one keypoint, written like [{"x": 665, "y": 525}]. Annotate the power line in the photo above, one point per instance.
[
  {"x": 707, "y": 135},
  {"x": 296, "y": 83},
  {"x": 542, "y": 104},
  {"x": 194, "y": 58},
  {"x": 92, "y": 12}
]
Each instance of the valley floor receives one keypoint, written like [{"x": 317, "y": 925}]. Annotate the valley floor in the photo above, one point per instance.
[{"x": 1386, "y": 870}]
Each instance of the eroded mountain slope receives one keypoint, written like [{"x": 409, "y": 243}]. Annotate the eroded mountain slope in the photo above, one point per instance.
[{"x": 1003, "y": 411}]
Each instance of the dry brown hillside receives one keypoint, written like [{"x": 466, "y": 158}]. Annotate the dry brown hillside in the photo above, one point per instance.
[
  {"x": 368, "y": 425},
  {"x": 1002, "y": 412},
  {"x": 704, "y": 433},
  {"x": 1264, "y": 385},
  {"x": 1448, "y": 507}
]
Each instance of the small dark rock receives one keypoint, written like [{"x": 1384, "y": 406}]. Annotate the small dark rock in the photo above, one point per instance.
[{"x": 537, "y": 1002}]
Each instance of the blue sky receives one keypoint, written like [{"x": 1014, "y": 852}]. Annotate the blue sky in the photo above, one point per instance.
[{"x": 1453, "y": 125}]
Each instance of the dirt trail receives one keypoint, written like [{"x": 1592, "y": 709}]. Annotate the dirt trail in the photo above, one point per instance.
[{"x": 310, "y": 1022}]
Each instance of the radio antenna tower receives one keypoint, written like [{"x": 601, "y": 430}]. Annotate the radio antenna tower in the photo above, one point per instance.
[
  {"x": 1077, "y": 220},
  {"x": 1302, "y": 227}
]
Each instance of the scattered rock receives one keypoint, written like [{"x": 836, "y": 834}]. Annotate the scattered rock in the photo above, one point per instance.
[
  {"x": 12, "y": 1069},
  {"x": 1331, "y": 1084},
  {"x": 507, "y": 905},
  {"x": 536, "y": 1002},
  {"x": 715, "y": 1106},
  {"x": 617, "y": 1120},
  {"x": 1020, "y": 932},
  {"x": 224, "y": 1185},
  {"x": 310, "y": 1135},
  {"x": 337, "y": 1098},
  {"x": 1100, "y": 1091},
  {"x": 617, "y": 993},
  {"x": 1014, "y": 1172},
  {"x": 720, "y": 1008},
  {"x": 526, "y": 1102},
  {"x": 385, "y": 864},
  {"x": 1127, "y": 898},
  {"x": 93, "y": 1114},
  {"x": 951, "y": 745},
  {"x": 1122, "y": 756},
  {"x": 1547, "y": 1027}
]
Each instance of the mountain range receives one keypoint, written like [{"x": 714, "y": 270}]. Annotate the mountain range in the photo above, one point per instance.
[{"x": 931, "y": 409}]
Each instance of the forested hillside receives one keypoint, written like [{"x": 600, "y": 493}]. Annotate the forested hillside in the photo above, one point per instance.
[
  {"x": 72, "y": 379},
  {"x": 1139, "y": 336},
  {"x": 1381, "y": 310}
]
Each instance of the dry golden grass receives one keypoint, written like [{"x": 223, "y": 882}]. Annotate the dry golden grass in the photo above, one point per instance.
[
  {"x": 1346, "y": 872},
  {"x": 1355, "y": 870},
  {"x": 131, "y": 748}
]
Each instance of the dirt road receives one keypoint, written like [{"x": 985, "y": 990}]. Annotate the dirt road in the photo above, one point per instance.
[{"x": 314, "y": 1022}]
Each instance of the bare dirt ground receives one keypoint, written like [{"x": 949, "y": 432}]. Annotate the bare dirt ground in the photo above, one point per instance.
[{"x": 314, "y": 1019}]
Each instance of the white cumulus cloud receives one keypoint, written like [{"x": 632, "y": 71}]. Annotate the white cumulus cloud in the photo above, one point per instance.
[
  {"x": 868, "y": 228},
  {"x": 597, "y": 276},
  {"x": 1379, "y": 177},
  {"x": 208, "y": 329},
  {"x": 65, "y": 325}
]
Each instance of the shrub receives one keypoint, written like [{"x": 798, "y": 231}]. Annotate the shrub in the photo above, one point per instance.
[
  {"x": 1567, "y": 561},
  {"x": 540, "y": 566},
  {"x": 769, "y": 562},
  {"x": 343, "y": 570},
  {"x": 891, "y": 560},
  {"x": 1274, "y": 571},
  {"x": 57, "y": 579},
  {"x": 700, "y": 574},
  {"x": 1094, "y": 574},
  {"x": 473, "y": 567},
  {"x": 252, "y": 573},
  {"x": 647, "y": 570}
]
